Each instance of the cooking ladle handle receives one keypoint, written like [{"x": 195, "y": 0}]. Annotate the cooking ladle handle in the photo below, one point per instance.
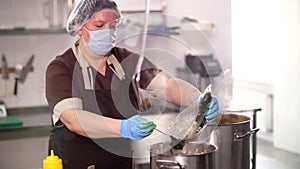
[
  {"x": 241, "y": 136},
  {"x": 16, "y": 86},
  {"x": 168, "y": 164}
]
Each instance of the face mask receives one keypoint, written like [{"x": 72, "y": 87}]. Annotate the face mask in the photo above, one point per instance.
[{"x": 101, "y": 41}]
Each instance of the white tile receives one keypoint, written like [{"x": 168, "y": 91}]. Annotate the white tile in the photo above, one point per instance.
[{"x": 25, "y": 153}]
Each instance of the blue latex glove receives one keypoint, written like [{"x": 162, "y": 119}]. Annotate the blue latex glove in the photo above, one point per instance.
[
  {"x": 136, "y": 128},
  {"x": 213, "y": 109}
]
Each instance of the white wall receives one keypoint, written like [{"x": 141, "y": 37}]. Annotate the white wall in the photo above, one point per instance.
[
  {"x": 287, "y": 91},
  {"x": 138, "y": 5},
  {"x": 216, "y": 11},
  {"x": 266, "y": 49}
]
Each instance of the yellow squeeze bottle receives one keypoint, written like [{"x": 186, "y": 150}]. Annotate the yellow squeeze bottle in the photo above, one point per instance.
[{"x": 52, "y": 162}]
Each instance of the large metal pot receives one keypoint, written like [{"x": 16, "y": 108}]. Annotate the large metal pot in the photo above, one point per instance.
[
  {"x": 231, "y": 136},
  {"x": 193, "y": 156}
]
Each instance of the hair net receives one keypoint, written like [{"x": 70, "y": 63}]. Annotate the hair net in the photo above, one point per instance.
[{"x": 84, "y": 10}]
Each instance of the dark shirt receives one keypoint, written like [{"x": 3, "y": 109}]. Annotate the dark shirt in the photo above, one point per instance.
[{"x": 111, "y": 97}]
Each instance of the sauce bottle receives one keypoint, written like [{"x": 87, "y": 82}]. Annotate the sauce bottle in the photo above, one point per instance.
[{"x": 52, "y": 162}]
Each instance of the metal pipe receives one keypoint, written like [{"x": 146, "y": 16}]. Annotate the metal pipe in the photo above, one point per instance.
[
  {"x": 137, "y": 76},
  {"x": 254, "y": 139}
]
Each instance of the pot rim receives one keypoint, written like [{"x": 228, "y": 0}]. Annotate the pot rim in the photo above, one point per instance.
[
  {"x": 214, "y": 149},
  {"x": 244, "y": 121}
]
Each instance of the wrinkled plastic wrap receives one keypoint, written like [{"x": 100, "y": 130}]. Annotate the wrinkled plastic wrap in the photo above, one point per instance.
[{"x": 190, "y": 121}]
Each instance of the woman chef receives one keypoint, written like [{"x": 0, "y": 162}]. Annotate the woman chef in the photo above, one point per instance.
[{"x": 89, "y": 92}]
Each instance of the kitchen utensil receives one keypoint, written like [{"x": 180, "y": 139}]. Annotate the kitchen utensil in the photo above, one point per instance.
[
  {"x": 10, "y": 121},
  {"x": 5, "y": 74},
  {"x": 190, "y": 121},
  {"x": 4, "y": 66},
  {"x": 193, "y": 156},
  {"x": 23, "y": 73},
  {"x": 231, "y": 136},
  {"x": 136, "y": 77},
  {"x": 162, "y": 132}
]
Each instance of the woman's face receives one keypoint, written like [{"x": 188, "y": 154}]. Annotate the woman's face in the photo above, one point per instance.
[{"x": 105, "y": 19}]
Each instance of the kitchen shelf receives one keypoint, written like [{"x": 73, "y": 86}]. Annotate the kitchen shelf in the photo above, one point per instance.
[{"x": 32, "y": 31}]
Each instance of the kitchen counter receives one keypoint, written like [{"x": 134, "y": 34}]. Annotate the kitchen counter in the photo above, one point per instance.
[
  {"x": 36, "y": 123},
  {"x": 24, "y": 132},
  {"x": 31, "y": 116}
]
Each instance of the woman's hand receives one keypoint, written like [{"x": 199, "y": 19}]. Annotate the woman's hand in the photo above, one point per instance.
[
  {"x": 136, "y": 128},
  {"x": 213, "y": 109}
]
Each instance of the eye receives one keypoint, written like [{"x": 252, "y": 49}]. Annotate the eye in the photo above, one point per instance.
[{"x": 99, "y": 25}]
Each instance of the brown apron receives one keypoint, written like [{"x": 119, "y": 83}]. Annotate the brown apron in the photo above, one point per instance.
[
  {"x": 111, "y": 97},
  {"x": 80, "y": 152}
]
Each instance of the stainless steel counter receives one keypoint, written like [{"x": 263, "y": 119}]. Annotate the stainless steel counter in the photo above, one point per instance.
[{"x": 36, "y": 123}]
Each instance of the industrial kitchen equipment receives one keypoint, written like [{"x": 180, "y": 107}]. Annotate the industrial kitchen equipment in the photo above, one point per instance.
[
  {"x": 193, "y": 156},
  {"x": 232, "y": 137},
  {"x": 200, "y": 58}
]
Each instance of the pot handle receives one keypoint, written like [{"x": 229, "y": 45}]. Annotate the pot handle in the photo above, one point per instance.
[
  {"x": 168, "y": 164},
  {"x": 238, "y": 136}
]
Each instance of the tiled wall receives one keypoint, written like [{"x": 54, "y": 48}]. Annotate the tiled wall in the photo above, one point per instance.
[
  {"x": 17, "y": 50},
  {"x": 24, "y": 152}
]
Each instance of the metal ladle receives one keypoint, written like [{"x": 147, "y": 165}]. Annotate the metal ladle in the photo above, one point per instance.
[{"x": 137, "y": 76}]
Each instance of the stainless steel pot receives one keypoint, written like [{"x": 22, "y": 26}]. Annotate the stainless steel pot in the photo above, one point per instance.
[
  {"x": 231, "y": 136},
  {"x": 192, "y": 156}
]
